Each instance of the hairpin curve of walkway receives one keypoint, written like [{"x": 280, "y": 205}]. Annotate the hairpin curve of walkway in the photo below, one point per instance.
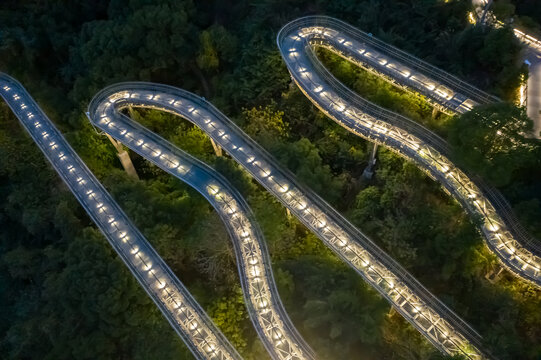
[{"x": 432, "y": 318}]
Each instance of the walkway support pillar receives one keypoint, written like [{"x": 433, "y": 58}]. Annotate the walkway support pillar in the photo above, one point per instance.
[
  {"x": 124, "y": 158},
  {"x": 435, "y": 112},
  {"x": 217, "y": 148},
  {"x": 369, "y": 170}
]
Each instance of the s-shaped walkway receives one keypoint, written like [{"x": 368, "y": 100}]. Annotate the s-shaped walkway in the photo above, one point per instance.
[
  {"x": 296, "y": 41},
  {"x": 431, "y": 317}
]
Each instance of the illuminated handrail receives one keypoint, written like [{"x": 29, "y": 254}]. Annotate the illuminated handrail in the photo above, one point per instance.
[
  {"x": 263, "y": 302},
  {"x": 440, "y": 325},
  {"x": 498, "y": 210},
  {"x": 436, "y": 142},
  {"x": 405, "y": 61},
  {"x": 318, "y": 216},
  {"x": 189, "y": 320},
  {"x": 181, "y": 310},
  {"x": 296, "y": 41},
  {"x": 493, "y": 195}
]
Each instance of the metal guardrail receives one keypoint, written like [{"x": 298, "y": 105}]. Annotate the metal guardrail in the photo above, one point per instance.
[
  {"x": 264, "y": 305},
  {"x": 180, "y": 309},
  {"x": 336, "y": 229},
  {"x": 436, "y": 142},
  {"x": 424, "y": 311},
  {"x": 401, "y": 56},
  {"x": 296, "y": 41}
]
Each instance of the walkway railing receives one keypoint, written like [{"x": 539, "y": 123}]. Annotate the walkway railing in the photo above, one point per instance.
[{"x": 439, "y": 324}]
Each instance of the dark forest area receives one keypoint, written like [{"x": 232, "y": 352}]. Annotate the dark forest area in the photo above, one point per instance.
[{"x": 65, "y": 294}]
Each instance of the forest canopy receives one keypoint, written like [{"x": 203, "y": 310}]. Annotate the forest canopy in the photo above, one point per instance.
[{"x": 64, "y": 294}]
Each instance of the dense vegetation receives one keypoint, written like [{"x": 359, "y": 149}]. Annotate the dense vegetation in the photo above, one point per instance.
[
  {"x": 63, "y": 292},
  {"x": 525, "y": 14},
  {"x": 376, "y": 89}
]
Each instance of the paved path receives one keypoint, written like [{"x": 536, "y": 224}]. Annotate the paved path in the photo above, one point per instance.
[{"x": 424, "y": 311}]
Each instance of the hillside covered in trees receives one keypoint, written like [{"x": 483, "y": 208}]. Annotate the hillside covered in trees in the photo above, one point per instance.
[{"x": 64, "y": 294}]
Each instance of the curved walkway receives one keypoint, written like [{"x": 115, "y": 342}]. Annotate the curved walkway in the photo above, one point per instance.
[
  {"x": 438, "y": 323},
  {"x": 432, "y": 318},
  {"x": 296, "y": 41},
  {"x": 181, "y": 310},
  {"x": 264, "y": 306}
]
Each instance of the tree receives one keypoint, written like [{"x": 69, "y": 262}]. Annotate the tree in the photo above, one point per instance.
[
  {"x": 302, "y": 157},
  {"x": 230, "y": 315},
  {"x": 491, "y": 141},
  {"x": 503, "y": 9},
  {"x": 63, "y": 292},
  {"x": 216, "y": 44},
  {"x": 265, "y": 125}
]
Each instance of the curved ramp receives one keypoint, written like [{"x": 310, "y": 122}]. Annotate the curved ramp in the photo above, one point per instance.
[
  {"x": 409, "y": 139},
  {"x": 438, "y": 323},
  {"x": 296, "y": 40},
  {"x": 187, "y": 317}
]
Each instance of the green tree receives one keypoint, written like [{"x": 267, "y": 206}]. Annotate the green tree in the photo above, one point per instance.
[
  {"x": 303, "y": 158},
  {"x": 503, "y": 9},
  {"x": 265, "y": 125},
  {"x": 492, "y": 142},
  {"x": 216, "y": 44}
]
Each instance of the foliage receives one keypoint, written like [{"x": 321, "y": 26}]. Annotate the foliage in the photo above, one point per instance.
[
  {"x": 503, "y": 9},
  {"x": 229, "y": 313},
  {"x": 65, "y": 294},
  {"x": 385, "y": 94},
  {"x": 491, "y": 141}
]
